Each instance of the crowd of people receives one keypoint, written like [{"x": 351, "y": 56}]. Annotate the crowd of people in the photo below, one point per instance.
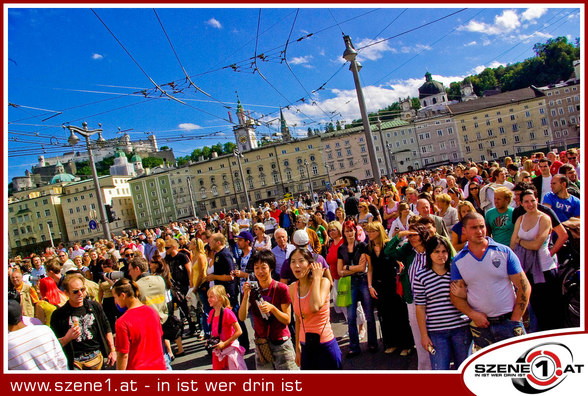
[{"x": 446, "y": 261}]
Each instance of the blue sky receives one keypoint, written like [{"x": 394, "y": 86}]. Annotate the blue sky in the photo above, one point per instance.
[{"x": 66, "y": 60}]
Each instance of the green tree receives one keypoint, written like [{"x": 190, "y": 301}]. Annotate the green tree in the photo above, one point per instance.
[
  {"x": 151, "y": 162},
  {"x": 206, "y": 152},
  {"x": 164, "y": 148},
  {"x": 195, "y": 154},
  {"x": 330, "y": 127},
  {"x": 454, "y": 91},
  {"x": 338, "y": 125},
  {"x": 228, "y": 147},
  {"x": 309, "y": 132},
  {"x": 218, "y": 148}
]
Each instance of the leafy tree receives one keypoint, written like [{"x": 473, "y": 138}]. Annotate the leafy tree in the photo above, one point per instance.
[
  {"x": 218, "y": 148},
  {"x": 206, "y": 152},
  {"x": 164, "y": 148},
  {"x": 338, "y": 125},
  {"x": 228, "y": 147},
  {"x": 454, "y": 91},
  {"x": 309, "y": 132},
  {"x": 196, "y": 154},
  {"x": 151, "y": 162},
  {"x": 329, "y": 127}
]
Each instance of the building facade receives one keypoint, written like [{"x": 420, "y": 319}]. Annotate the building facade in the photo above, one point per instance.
[
  {"x": 563, "y": 113},
  {"x": 80, "y": 205},
  {"x": 502, "y": 125},
  {"x": 152, "y": 199},
  {"x": 35, "y": 218}
]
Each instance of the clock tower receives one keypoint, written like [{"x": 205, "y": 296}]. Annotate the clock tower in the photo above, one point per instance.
[{"x": 244, "y": 131}]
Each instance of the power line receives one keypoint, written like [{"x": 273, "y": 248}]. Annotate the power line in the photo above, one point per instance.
[{"x": 412, "y": 30}]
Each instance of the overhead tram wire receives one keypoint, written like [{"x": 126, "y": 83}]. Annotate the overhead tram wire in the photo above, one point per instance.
[
  {"x": 285, "y": 59},
  {"x": 261, "y": 74},
  {"x": 147, "y": 75},
  {"x": 412, "y": 30},
  {"x": 388, "y": 25},
  {"x": 237, "y": 64},
  {"x": 520, "y": 42},
  {"x": 337, "y": 23},
  {"x": 420, "y": 52},
  {"x": 197, "y": 88}
]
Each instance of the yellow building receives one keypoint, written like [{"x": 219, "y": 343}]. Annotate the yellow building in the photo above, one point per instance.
[
  {"x": 32, "y": 214},
  {"x": 502, "y": 125},
  {"x": 80, "y": 205}
]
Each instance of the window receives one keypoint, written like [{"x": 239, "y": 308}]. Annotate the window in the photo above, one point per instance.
[
  {"x": 529, "y": 124},
  {"x": 515, "y": 127},
  {"x": 439, "y": 132},
  {"x": 532, "y": 135},
  {"x": 516, "y": 139},
  {"x": 490, "y": 133}
]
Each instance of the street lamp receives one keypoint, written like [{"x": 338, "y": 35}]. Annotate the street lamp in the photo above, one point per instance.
[
  {"x": 328, "y": 176},
  {"x": 239, "y": 155},
  {"x": 309, "y": 183},
  {"x": 73, "y": 140},
  {"x": 188, "y": 179},
  {"x": 349, "y": 55},
  {"x": 389, "y": 150},
  {"x": 384, "y": 145}
]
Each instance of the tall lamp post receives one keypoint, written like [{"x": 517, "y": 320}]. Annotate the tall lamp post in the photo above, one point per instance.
[
  {"x": 309, "y": 182},
  {"x": 239, "y": 155},
  {"x": 188, "y": 179},
  {"x": 329, "y": 177},
  {"x": 349, "y": 55},
  {"x": 73, "y": 140},
  {"x": 384, "y": 146}
]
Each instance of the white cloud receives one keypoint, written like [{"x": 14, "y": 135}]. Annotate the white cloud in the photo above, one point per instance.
[
  {"x": 533, "y": 13},
  {"x": 188, "y": 126},
  {"x": 301, "y": 60},
  {"x": 504, "y": 23},
  {"x": 471, "y": 43},
  {"x": 479, "y": 69},
  {"x": 373, "y": 52},
  {"x": 214, "y": 23},
  {"x": 534, "y": 36},
  {"x": 417, "y": 48},
  {"x": 97, "y": 56}
]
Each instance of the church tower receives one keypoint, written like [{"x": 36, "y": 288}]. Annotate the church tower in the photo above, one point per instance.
[
  {"x": 284, "y": 130},
  {"x": 244, "y": 131}
]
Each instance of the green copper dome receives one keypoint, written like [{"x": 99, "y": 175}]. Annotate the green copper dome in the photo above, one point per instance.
[{"x": 430, "y": 87}]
